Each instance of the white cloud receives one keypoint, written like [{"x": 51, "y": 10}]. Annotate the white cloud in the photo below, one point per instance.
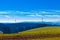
[
  {"x": 56, "y": 10},
  {"x": 20, "y": 12},
  {"x": 4, "y": 12},
  {"x": 7, "y": 16},
  {"x": 30, "y": 15},
  {"x": 39, "y": 14},
  {"x": 31, "y": 12},
  {"x": 52, "y": 15},
  {"x": 44, "y": 12},
  {"x": 34, "y": 15}
]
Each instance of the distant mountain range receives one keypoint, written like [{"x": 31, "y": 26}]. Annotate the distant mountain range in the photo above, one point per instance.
[{"x": 23, "y": 26}]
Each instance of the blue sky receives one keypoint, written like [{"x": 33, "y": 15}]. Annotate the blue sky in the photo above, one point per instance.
[
  {"x": 29, "y": 10},
  {"x": 27, "y": 5}
]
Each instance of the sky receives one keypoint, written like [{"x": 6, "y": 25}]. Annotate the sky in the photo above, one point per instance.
[
  {"x": 29, "y": 10},
  {"x": 28, "y": 5}
]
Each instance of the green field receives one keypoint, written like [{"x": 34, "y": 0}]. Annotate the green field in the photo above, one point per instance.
[
  {"x": 39, "y": 31},
  {"x": 43, "y": 30},
  {"x": 53, "y": 30}
]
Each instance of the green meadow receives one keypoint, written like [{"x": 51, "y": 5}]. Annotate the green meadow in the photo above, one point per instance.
[{"x": 39, "y": 31}]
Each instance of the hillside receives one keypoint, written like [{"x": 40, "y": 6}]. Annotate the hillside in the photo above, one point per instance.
[
  {"x": 23, "y": 26},
  {"x": 44, "y": 33},
  {"x": 43, "y": 30}
]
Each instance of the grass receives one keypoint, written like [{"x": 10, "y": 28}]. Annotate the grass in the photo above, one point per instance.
[
  {"x": 44, "y": 30},
  {"x": 39, "y": 31},
  {"x": 54, "y": 38}
]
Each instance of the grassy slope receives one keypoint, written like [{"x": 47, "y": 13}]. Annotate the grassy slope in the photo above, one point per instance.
[
  {"x": 54, "y": 38},
  {"x": 38, "y": 31},
  {"x": 44, "y": 30}
]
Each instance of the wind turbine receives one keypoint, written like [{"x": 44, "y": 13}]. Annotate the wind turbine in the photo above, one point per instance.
[
  {"x": 15, "y": 19},
  {"x": 42, "y": 18}
]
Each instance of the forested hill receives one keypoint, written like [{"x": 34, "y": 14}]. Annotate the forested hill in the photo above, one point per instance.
[{"x": 19, "y": 27}]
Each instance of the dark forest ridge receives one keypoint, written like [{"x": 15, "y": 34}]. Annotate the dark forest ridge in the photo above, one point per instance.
[{"x": 23, "y": 26}]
